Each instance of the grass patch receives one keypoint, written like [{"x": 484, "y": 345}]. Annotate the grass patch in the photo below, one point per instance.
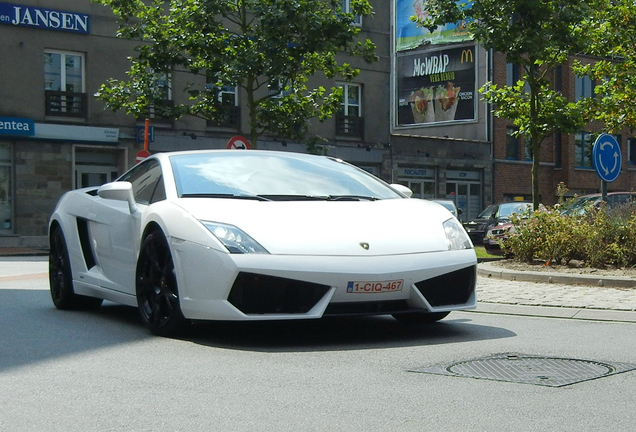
[{"x": 481, "y": 253}]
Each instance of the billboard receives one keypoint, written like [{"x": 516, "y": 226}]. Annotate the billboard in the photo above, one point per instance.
[
  {"x": 436, "y": 85},
  {"x": 409, "y": 35}
]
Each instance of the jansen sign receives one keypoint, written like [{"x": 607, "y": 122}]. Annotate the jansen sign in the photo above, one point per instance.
[{"x": 49, "y": 19}]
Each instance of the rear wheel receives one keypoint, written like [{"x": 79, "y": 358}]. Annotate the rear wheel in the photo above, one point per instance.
[
  {"x": 420, "y": 317},
  {"x": 157, "y": 293},
  {"x": 61, "y": 279}
]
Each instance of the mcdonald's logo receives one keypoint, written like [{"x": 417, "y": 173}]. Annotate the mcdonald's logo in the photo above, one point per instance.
[{"x": 467, "y": 56}]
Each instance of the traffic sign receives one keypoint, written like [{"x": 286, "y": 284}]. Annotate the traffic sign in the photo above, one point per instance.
[
  {"x": 142, "y": 154},
  {"x": 238, "y": 142},
  {"x": 607, "y": 157},
  {"x": 141, "y": 133}
]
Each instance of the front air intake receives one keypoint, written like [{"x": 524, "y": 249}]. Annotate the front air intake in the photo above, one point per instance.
[
  {"x": 260, "y": 294},
  {"x": 453, "y": 288}
]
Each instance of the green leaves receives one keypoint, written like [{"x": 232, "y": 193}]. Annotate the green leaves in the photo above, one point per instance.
[{"x": 257, "y": 45}]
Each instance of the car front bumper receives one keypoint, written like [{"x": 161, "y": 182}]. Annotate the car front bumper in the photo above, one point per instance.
[{"x": 219, "y": 286}]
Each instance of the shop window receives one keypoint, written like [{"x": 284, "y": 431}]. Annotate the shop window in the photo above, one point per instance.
[
  {"x": 346, "y": 7},
  {"x": 6, "y": 206},
  {"x": 64, "y": 84},
  {"x": 583, "y": 143},
  {"x": 512, "y": 144},
  {"x": 349, "y": 119}
]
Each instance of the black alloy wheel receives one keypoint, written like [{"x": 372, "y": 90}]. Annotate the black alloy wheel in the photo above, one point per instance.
[
  {"x": 157, "y": 293},
  {"x": 420, "y": 317},
  {"x": 61, "y": 279}
]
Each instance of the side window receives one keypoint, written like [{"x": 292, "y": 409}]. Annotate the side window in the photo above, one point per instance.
[{"x": 147, "y": 182}]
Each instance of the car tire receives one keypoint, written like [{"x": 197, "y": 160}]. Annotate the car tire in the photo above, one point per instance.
[
  {"x": 420, "y": 317},
  {"x": 61, "y": 277},
  {"x": 157, "y": 293}
]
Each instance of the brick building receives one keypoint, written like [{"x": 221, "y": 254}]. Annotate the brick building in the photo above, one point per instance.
[{"x": 565, "y": 158}]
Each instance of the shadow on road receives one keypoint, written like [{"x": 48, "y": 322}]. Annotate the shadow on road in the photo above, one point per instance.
[
  {"x": 34, "y": 331},
  {"x": 350, "y": 333}
]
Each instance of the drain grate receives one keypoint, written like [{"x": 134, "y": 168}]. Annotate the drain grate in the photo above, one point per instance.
[{"x": 530, "y": 369}]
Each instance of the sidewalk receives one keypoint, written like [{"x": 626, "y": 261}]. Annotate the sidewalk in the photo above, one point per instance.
[{"x": 532, "y": 293}]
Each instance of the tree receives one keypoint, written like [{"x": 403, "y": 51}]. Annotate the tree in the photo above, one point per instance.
[
  {"x": 267, "y": 48},
  {"x": 539, "y": 36},
  {"x": 611, "y": 35}
]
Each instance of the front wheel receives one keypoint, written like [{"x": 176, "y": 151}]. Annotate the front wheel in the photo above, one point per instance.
[
  {"x": 157, "y": 293},
  {"x": 420, "y": 317}
]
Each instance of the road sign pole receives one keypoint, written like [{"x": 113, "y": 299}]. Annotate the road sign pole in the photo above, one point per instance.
[
  {"x": 146, "y": 130},
  {"x": 604, "y": 190}
]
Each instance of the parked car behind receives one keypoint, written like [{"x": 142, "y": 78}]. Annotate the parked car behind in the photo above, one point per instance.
[
  {"x": 494, "y": 214},
  {"x": 576, "y": 206},
  {"x": 614, "y": 199},
  {"x": 449, "y": 205}
]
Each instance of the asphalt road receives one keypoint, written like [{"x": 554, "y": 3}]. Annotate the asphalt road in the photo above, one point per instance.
[{"x": 102, "y": 371}]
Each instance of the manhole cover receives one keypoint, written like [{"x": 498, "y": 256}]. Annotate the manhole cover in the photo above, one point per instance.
[{"x": 530, "y": 369}]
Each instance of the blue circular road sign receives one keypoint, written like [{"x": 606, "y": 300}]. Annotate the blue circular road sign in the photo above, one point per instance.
[{"x": 607, "y": 157}]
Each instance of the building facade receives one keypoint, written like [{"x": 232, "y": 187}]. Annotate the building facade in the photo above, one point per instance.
[{"x": 414, "y": 117}]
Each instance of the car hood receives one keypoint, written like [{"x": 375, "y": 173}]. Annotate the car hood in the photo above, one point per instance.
[{"x": 392, "y": 226}]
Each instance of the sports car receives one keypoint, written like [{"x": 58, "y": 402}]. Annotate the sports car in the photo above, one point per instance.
[{"x": 257, "y": 235}]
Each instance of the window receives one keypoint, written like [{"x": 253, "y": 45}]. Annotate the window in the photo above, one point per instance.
[
  {"x": 583, "y": 143},
  {"x": 512, "y": 74},
  {"x": 512, "y": 144},
  {"x": 631, "y": 151},
  {"x": 583, "y": 88},
  {"x": 351, "y": 101},
  {"x": 527, "y": 148},
  {"x": 346, "y": 7},
  {"x": 228, "y": 96},
  {"x": 64, "y": 84},
  {"x": 349, "y": 120},
  {"x": 147, "y": 182}
]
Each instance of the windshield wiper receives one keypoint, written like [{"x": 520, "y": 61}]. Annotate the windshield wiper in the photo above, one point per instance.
[
  {"x": 222, "y": 195},
  {"x": 351, "y": 198}
]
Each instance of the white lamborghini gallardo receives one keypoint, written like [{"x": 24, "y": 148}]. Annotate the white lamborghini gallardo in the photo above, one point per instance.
[{"x": 257, "y": 235}]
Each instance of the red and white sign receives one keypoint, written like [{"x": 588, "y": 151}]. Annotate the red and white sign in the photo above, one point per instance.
[
  {"x": 238, "y": 142},
  {"x": 142, "y": 154}
]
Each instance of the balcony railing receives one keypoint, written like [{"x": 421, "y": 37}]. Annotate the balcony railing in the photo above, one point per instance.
[
  {"x": 66, "y": 104},
  {"x": 231, "y": 119},
  {"x": 349, "y": 126}
]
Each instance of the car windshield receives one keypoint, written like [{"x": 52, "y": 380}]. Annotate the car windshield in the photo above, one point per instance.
[
  {"x": 488, "y": 212},
  {"x": 274, "y": 176},
  {"x": 507, "y": 209}
]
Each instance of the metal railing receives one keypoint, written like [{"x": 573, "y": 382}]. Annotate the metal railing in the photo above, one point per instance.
[{"x": 66, "y": 104}]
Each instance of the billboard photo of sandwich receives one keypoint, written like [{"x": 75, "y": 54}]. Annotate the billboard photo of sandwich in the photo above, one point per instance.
[{"x": 436, "y": 86}]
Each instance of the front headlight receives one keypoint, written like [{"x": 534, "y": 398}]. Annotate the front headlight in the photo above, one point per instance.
[
  {"x": 234, "y": 239},
  {"x": 456, "y": 236}
]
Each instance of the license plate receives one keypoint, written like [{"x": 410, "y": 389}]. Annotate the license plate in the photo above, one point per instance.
[{"x": 375, "y": 287}]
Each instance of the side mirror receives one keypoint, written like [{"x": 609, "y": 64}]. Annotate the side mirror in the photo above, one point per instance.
[
  {"x": 402, "y": 189},
  {"x": 119, "y": 191}
]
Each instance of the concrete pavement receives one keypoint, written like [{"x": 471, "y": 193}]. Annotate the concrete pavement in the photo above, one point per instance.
[
  {"x": 561, "y": 296},
  {"x": 499, "y": 291}
]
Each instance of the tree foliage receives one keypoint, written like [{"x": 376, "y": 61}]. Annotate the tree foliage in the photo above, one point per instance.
[
  {"x": 268, "y": 48},
  {"x": 539, "y": 36},
  {"x": 611, "y": 36}
]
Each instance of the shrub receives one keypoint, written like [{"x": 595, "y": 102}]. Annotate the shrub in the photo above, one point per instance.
[{"x": 598, "y": 236}]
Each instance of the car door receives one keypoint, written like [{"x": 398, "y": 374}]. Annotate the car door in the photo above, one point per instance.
[{"x": 116, "y": 232}]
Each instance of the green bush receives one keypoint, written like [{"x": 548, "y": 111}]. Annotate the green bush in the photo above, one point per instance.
[{"x": 598, "y": 237}]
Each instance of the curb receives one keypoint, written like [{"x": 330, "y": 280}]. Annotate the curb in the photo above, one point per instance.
[{"x": 487, "y": 270}]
